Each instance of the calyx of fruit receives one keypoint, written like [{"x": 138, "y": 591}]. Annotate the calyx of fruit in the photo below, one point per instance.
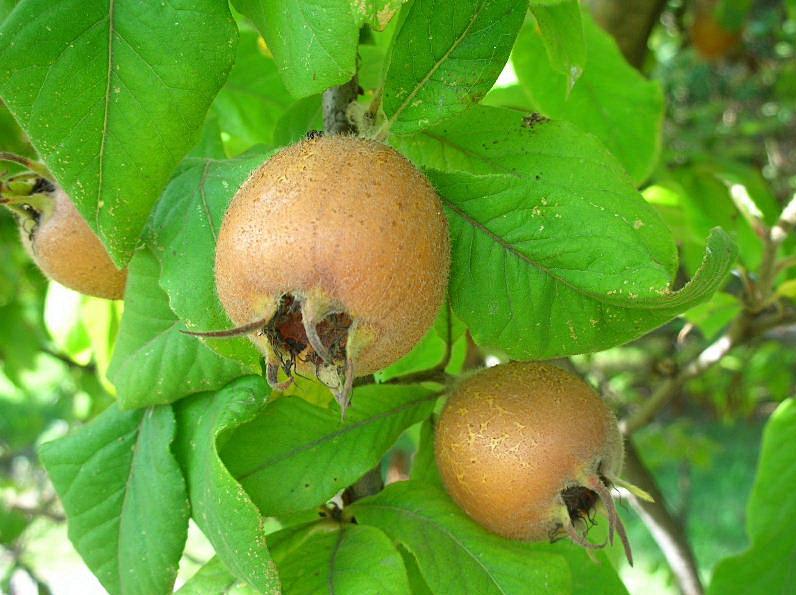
[
  {"x": 333, "y": 257},
  {"x": 56, "y": 236},
  {"x": 531, "y": 452}
]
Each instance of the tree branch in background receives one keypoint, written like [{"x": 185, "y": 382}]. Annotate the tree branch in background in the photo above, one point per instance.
[
  {"x": 761, "y": 314},
  {"x": 630, "y": 24},
  {"x": 753, "y": 322},
  {"x": 369, "y": 484},
  {"x": 667, "y": 532},
  {"x": 335, "y": 107}
]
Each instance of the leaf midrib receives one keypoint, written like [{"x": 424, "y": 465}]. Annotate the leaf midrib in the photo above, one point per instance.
[
  {"x": 390, "y": 121},
  {"x": 109, "y": 72},
  {"x": 442, "y": 529}
]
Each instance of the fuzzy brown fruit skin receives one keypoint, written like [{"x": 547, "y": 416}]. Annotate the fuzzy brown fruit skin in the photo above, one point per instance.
[
  {"x": 349, "y": 225},
  {"x": 513, "y": 437},
  {"x": 66, "y": 250},
  {"x": 711, "y": 39}
]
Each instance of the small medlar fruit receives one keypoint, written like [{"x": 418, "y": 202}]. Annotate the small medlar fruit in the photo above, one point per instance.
[
  {"x": 529, "y": 451},
  {"x": 335, "y": 255},
  {"x": 59, "y": 240}
]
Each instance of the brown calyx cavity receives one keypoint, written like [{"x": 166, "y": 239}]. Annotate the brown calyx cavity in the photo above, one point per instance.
[
  {"x": 581, "y": 501},
  {"x": 300, "y": 331}
]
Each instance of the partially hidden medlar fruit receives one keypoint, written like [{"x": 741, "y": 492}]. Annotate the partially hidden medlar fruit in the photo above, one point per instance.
[
  {"x": 334, "y": 257},
  {"x": 59, "y": 240},
  {"x": 529, "y": 452},
  {"x": 711, "y": 39}
]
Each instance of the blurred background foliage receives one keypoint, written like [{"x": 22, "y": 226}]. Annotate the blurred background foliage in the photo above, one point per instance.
[{"x": 729, "y": 78}]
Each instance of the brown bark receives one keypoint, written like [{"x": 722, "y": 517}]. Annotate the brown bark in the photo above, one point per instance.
[{"x": 629, "y": 23}]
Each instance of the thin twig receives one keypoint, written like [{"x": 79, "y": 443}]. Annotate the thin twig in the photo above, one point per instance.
[
  {"x": 761, "y": 296},
  {"x": 667, "y": 532},
  {"x": 742, "y": 330},
  {"x": 751, "y": 323}
]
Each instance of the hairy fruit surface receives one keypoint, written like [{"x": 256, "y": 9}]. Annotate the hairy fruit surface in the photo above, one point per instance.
[
  {"x": 63, "y": 245},
  {"x": 530, "y": 451},
  {"x": 335, "y": 254}
]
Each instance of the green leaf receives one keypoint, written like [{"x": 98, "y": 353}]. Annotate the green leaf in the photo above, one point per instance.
[
  {"x": 610, "y": 100},
  {"x": 220, "y": 507},
  {"x": 304, "y": 115},
  {"x": 416, "y": 582},
  {"x": 124, "y": 497},
  {"x": 12, "y": 524},
  {"x": 715, "y": 314},
  {"x": 294, "y": 456},
  {"x": 314, "y": 42},
  {"x": 562, "y": 33},
  {"x": 210, "y": 145},
  {"x": 431, "y": 350},
  {"x": 327, "y": 556},
  {"x": 707, "y": 202},
  {"x": 557, "y": 254},
  {"x": 768, "y": 566},
  {"x": 153, "y": 361},
  {"x": 376, "y": 13},
  {"x": 212, "y": 577},
  {"x": 183, "y": 232},
  {"x": 445, "y": 57},
  {"x": 422, "y": 519},
  {"x": 6, "y": 6},
  {"x": 252, "y": 100},
  {"x": 113, "y": 96},
  {"x": 424, "y": 463}
]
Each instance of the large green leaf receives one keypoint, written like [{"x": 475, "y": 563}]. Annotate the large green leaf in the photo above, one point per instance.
[
  {"x": 124, "y": 497},
  {"x": 220, "y": 506},
  {"x": 556, "y": 254},
  {"x": 611, "y": 99},
  {"x": 562, "y": 33},
  {"x": 252, "y": 100},
  {"x": 153, "y": 361},
  {"x": 314, "y": 42},
  {"x": 304, "y": 115},
  {"x": 445, "y": 56},
  {"x": 769, "y": 566},
  {"x": 332, "y": 557},
  {"x": 294, "y": 455},
  {"x": 113, "y": 95},
  {"x": 442, "y": 538},
  {"x": 183, "y": 233}
]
